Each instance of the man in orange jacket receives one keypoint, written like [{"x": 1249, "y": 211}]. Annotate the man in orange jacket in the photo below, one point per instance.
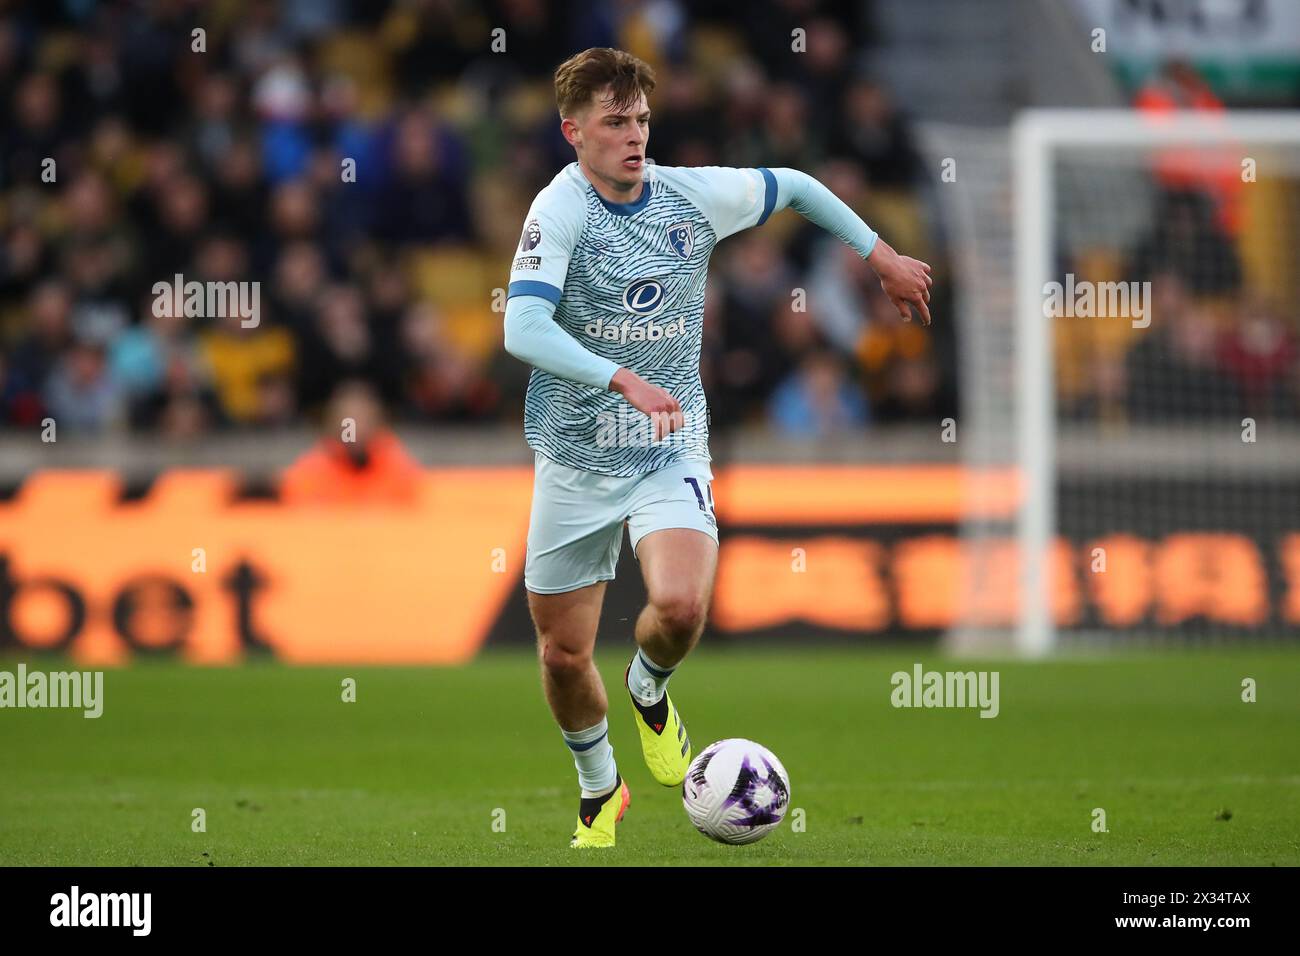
[{"x": 358, "y": 460}]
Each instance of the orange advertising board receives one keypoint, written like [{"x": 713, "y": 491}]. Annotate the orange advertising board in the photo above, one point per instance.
[
  {"x": 192, "y": 570},
  {"x": 311, "y": 584}
]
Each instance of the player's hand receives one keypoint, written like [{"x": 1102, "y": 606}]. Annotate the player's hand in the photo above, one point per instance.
[
  {"x": 665, "y": 411},
  {"x": 905, "y": 280}
]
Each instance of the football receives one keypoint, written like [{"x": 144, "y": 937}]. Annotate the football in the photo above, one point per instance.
[{"x": 736, "y": 791}]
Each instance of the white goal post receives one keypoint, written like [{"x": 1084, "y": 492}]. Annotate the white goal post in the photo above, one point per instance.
[{"x": 1038, "y": 141}]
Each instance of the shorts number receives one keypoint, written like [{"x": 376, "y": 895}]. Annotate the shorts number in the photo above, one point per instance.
[{"x": 699, "y": 496}]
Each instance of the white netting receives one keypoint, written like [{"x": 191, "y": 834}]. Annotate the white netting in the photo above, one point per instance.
[{"x": 1164, "y": 442}]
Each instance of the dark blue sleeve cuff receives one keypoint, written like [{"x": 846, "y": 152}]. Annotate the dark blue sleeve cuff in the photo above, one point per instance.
[
  {"x": 543, "y": 290},
  {"x": 769, "y": 198}
]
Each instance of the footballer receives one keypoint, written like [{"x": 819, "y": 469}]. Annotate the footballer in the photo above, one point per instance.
[{"x": 606, "y": 302}]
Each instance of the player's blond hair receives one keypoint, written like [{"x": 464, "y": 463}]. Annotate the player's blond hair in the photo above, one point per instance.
[{"x": 581, "y": 76}]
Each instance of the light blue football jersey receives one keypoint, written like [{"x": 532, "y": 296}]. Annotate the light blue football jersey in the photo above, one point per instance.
[{"x": 628, "y": 283}]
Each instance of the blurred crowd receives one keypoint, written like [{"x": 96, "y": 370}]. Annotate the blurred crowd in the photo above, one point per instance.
[
  {"x": 370, "y": 164},
  {"x": 1219, "y": 336}
]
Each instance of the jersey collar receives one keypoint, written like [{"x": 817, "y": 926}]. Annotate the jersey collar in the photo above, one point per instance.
[{"x": 622, "y": 208}]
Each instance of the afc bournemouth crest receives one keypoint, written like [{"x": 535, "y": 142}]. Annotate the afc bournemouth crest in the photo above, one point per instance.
[{"x": 682, "y": 238}]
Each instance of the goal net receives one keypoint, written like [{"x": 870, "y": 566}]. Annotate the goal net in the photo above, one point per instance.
[{"x": 1127, "y": 325}]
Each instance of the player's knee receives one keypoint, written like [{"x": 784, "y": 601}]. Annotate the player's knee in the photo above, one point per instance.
[
  {"x": 561, "y": 663},
  {"x": 682, "y": 616}
]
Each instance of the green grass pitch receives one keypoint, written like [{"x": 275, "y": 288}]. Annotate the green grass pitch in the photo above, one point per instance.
[{"x": 417, "y": 770}]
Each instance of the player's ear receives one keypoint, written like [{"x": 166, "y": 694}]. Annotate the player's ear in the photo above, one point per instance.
[{"x": 571, "y": 131}]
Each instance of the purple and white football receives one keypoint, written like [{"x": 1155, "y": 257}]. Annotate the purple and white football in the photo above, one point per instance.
[{"x": 736, "y": 791}]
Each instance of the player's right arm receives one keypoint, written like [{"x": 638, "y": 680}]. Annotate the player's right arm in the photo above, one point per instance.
[{"x": 536, "y": 284}]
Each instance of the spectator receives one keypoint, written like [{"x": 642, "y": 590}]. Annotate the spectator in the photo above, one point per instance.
[
  {"x": 818, "y": 400},
  {"x": 898, "y": 363},
  {"x": 50, "y": 309},
  {"x": 876, "y": 137},
  {"x": 184, "y": 406},
  {"x": 1186, "y": 241},
  {"x": 357, "y": 460},
  {"x": 1213, "y": 173},
  {"x": 1258, "y": 351},
  {"x": 340, "y": 345},
  {"x": 80, "y": 393},
  {"x": 424, "y": 196},
  {"x": 1173, "y": 373},
  {"x": 442, "y": 382},
  {"x": 241, "y": 359}
]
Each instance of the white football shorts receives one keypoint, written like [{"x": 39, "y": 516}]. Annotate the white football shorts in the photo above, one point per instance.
[{"x": 575, "y": 530}]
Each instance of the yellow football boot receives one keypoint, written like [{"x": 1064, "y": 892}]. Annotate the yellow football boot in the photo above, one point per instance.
[
  {"x": 597, "y": 816},
  {"x": 664, "y": 743}
]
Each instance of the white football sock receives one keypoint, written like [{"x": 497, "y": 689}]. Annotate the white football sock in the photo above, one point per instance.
[
  {"x": 593, "y": 755},
  {"x": 646, "y": 680}
]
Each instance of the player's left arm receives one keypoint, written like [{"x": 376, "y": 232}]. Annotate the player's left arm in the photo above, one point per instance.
[
  {"x": 734, "y": 199},
  {"x": 905, "y": 280}
]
